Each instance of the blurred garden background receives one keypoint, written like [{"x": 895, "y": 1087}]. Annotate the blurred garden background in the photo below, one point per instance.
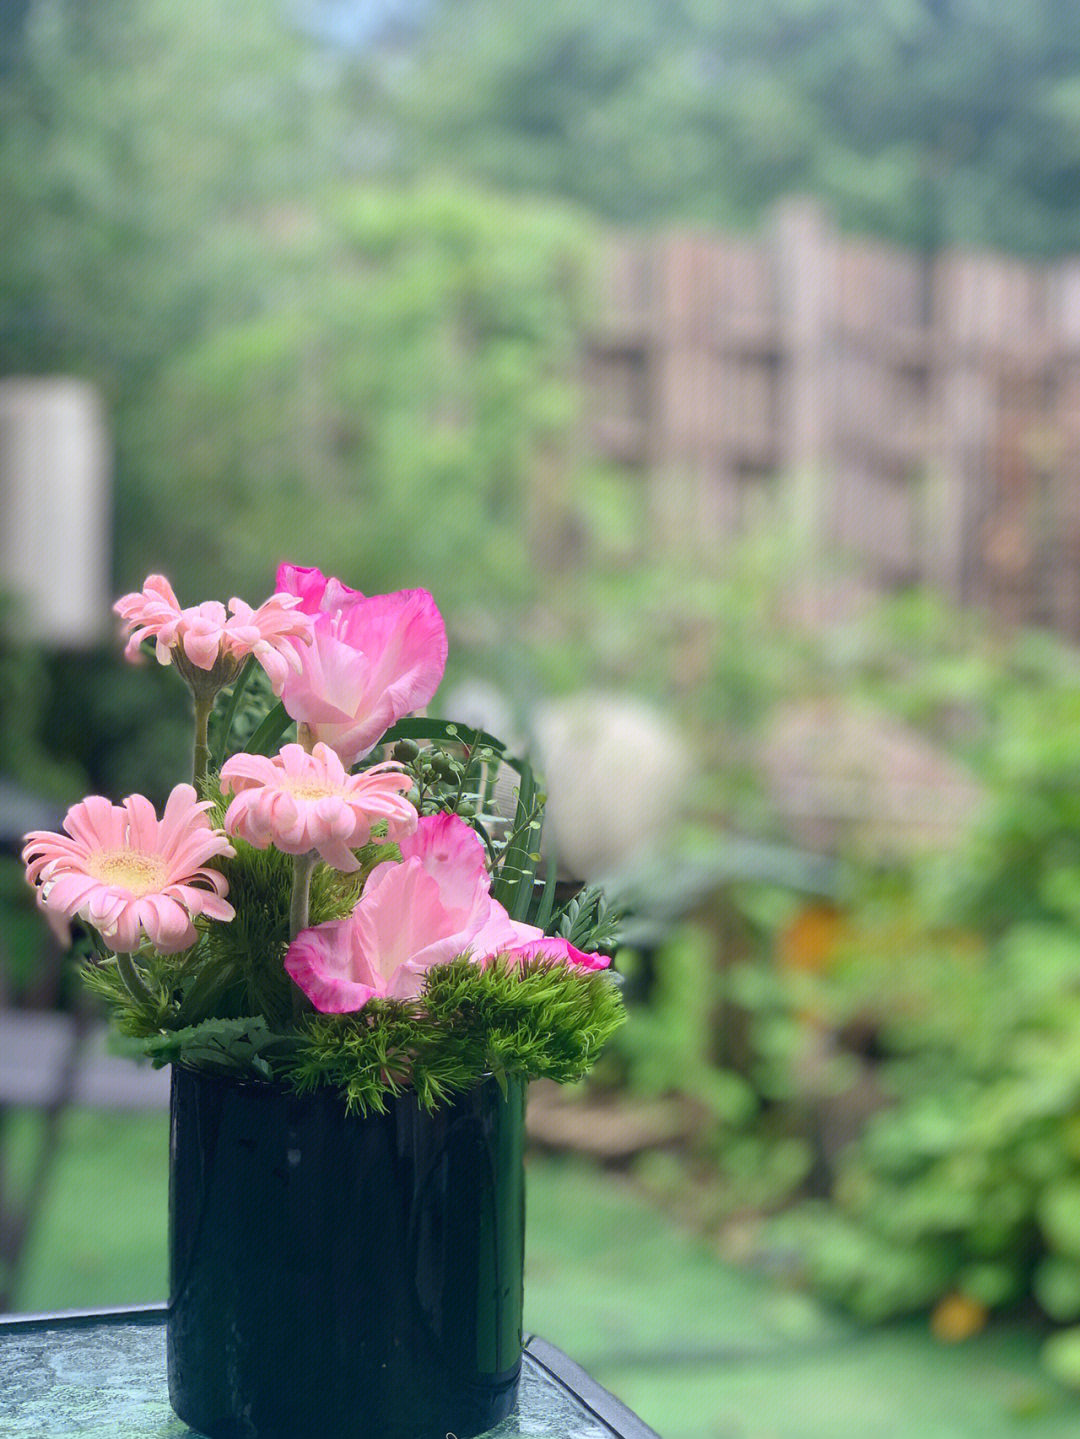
[{"x": 718, "y": 370}]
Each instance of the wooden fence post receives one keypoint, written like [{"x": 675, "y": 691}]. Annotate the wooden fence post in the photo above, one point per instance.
[
  {"x": 681, "y": 339},
  {"x": 1063, "y": 315},
  {"x": 963, "y": 405},
  {"x": 804, "y": 266}
]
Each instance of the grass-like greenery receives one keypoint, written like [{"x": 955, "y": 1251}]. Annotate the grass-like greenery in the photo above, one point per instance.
[{"x": 542, "y": 1021}]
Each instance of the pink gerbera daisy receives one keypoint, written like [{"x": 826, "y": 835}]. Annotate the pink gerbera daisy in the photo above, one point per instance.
[
  {"x": 209, "y": 644},
  {"x": 300, "y": 802},
  {"x": 130, "y": 874}
]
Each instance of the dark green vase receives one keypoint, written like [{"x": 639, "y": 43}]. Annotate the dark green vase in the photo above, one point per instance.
[{"x": 334, "y": 1276}]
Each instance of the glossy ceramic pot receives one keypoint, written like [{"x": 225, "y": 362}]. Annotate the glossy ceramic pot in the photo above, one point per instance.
[{"x": 339, "y": 1276}]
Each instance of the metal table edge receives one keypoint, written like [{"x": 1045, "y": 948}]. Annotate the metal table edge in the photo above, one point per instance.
[
  {"x": 84, "y": 1318},
  {"x": 600, "y": 1402}
]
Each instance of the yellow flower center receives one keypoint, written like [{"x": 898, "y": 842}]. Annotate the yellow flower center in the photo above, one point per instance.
[
  {"x": 310, "y": 789},
  {"x": 127, "y": 869}
]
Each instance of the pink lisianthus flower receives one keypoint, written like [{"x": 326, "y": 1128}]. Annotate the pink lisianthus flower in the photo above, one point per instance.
[
  {"x": 316, "y": 593},
  {"x": 209, "y": 644},
  {"x": 372, "y": 659},
  {"x": 554, "y": 950},
  {"x": 434, "y": 905},
  {"x": 130, "y": 874},
  {"x": 300, "y": 802}
]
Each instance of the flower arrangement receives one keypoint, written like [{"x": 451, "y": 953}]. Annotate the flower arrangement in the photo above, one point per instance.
[{"x": 344, "y": 907}]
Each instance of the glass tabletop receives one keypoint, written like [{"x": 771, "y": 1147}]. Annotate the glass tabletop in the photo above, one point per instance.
[{"x": 102, "y": 1376}]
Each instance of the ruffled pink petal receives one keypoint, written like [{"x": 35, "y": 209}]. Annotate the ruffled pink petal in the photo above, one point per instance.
[
  {"x": 315, "y": 592},
  {"x": 337, "y": 855},
  {"x": 501, "y": 933},
  {"x": 96, "y": 823},
  {"x": 246, "y": 769},
  {"x": 556, "y": 950},
  {"x": 69, "y": 891},
  {"x": 332, "y": 685},
  {"x": 402, "y": 918},
  {"x": 324, "y": 963},
  {"x": 142, "y": 823},
  {"x": 453, "y": 854},
  {"x": 405, "y": 636},
  {"x": 166, "y": 923},
  {"x": 370, "y": 662},
  {"x": 202, "y": 649}
]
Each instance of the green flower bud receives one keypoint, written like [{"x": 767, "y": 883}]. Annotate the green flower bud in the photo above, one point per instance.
[{"x": 405, "y": 751}]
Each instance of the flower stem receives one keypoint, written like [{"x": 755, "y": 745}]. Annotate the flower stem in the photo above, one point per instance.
[
  {"x": 239, "y": 686},
  {"x": 303, "y": 864},
  {"x": 133, "y": 981},
  {"x": 201, "y": 762}
]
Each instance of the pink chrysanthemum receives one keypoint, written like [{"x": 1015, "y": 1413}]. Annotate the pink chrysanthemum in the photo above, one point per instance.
[
  {"x": 130, "y": 874},
  {"x": 300, "y": 802},
  {"x": 206, "y": 638}
]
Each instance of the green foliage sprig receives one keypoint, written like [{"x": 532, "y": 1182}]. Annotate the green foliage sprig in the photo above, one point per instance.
[
  {"x": 542, "y": 1022},
  {"x": 546, "y": 1021}
]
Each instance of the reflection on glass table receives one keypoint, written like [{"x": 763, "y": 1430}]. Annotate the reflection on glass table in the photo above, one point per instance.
[{"x": 101, "y": 1375}]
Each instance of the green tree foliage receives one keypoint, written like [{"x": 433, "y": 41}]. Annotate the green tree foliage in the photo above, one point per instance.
[
  {"x": 900, "y": 1080},
  {"x": 385, "y": 414},
  {"x": 296, "y": 361},
  {"x": 927, "y": 120},
  {"x": 136, "y": 139}
]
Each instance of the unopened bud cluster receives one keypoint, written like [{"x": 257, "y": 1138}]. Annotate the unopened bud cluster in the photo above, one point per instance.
[{"x": 440, "y": 778}]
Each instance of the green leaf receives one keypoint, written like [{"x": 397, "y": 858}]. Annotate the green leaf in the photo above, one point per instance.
[
  {"x": 547, "y": 899},
  {"x": 516, "y": 876},
  {"x": 587, "y": 922},
  {"x": 231, "y": 1043},
  {"x": 266, "y": 738},
  {"x": 221, "y": 749},
  {"x": 207, "y": 988}
]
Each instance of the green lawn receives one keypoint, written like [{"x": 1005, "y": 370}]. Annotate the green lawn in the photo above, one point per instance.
[{"x": 700, "y": 1350}]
